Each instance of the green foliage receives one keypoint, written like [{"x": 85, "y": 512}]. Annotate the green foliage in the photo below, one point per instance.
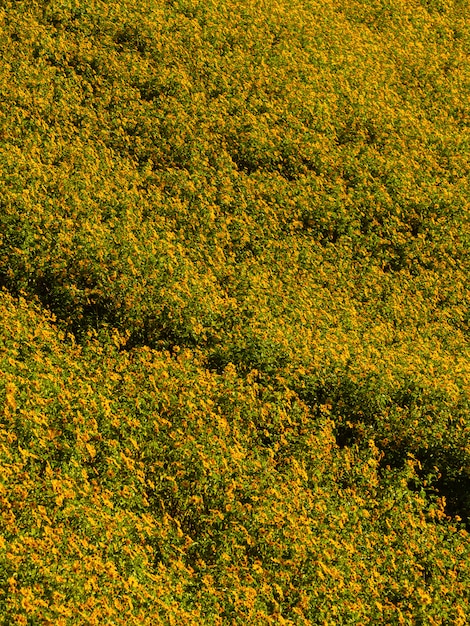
[{"x": 235, "y": 312}]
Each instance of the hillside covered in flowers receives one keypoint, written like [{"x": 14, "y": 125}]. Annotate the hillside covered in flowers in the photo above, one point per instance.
[{"x": 234, "y": 312}]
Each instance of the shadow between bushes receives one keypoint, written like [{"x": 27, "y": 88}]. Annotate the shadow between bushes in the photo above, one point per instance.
[{"x": 358, "y": 412}]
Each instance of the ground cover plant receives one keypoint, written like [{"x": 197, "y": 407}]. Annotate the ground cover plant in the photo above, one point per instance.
[{"x": 234, "y": 312}]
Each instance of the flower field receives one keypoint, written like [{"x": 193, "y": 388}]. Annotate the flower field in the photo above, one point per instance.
[{"x": 234, "y": 312}]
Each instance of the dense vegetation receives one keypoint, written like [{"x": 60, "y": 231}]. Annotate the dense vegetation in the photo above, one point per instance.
[{"x": 234, "y": 311}]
